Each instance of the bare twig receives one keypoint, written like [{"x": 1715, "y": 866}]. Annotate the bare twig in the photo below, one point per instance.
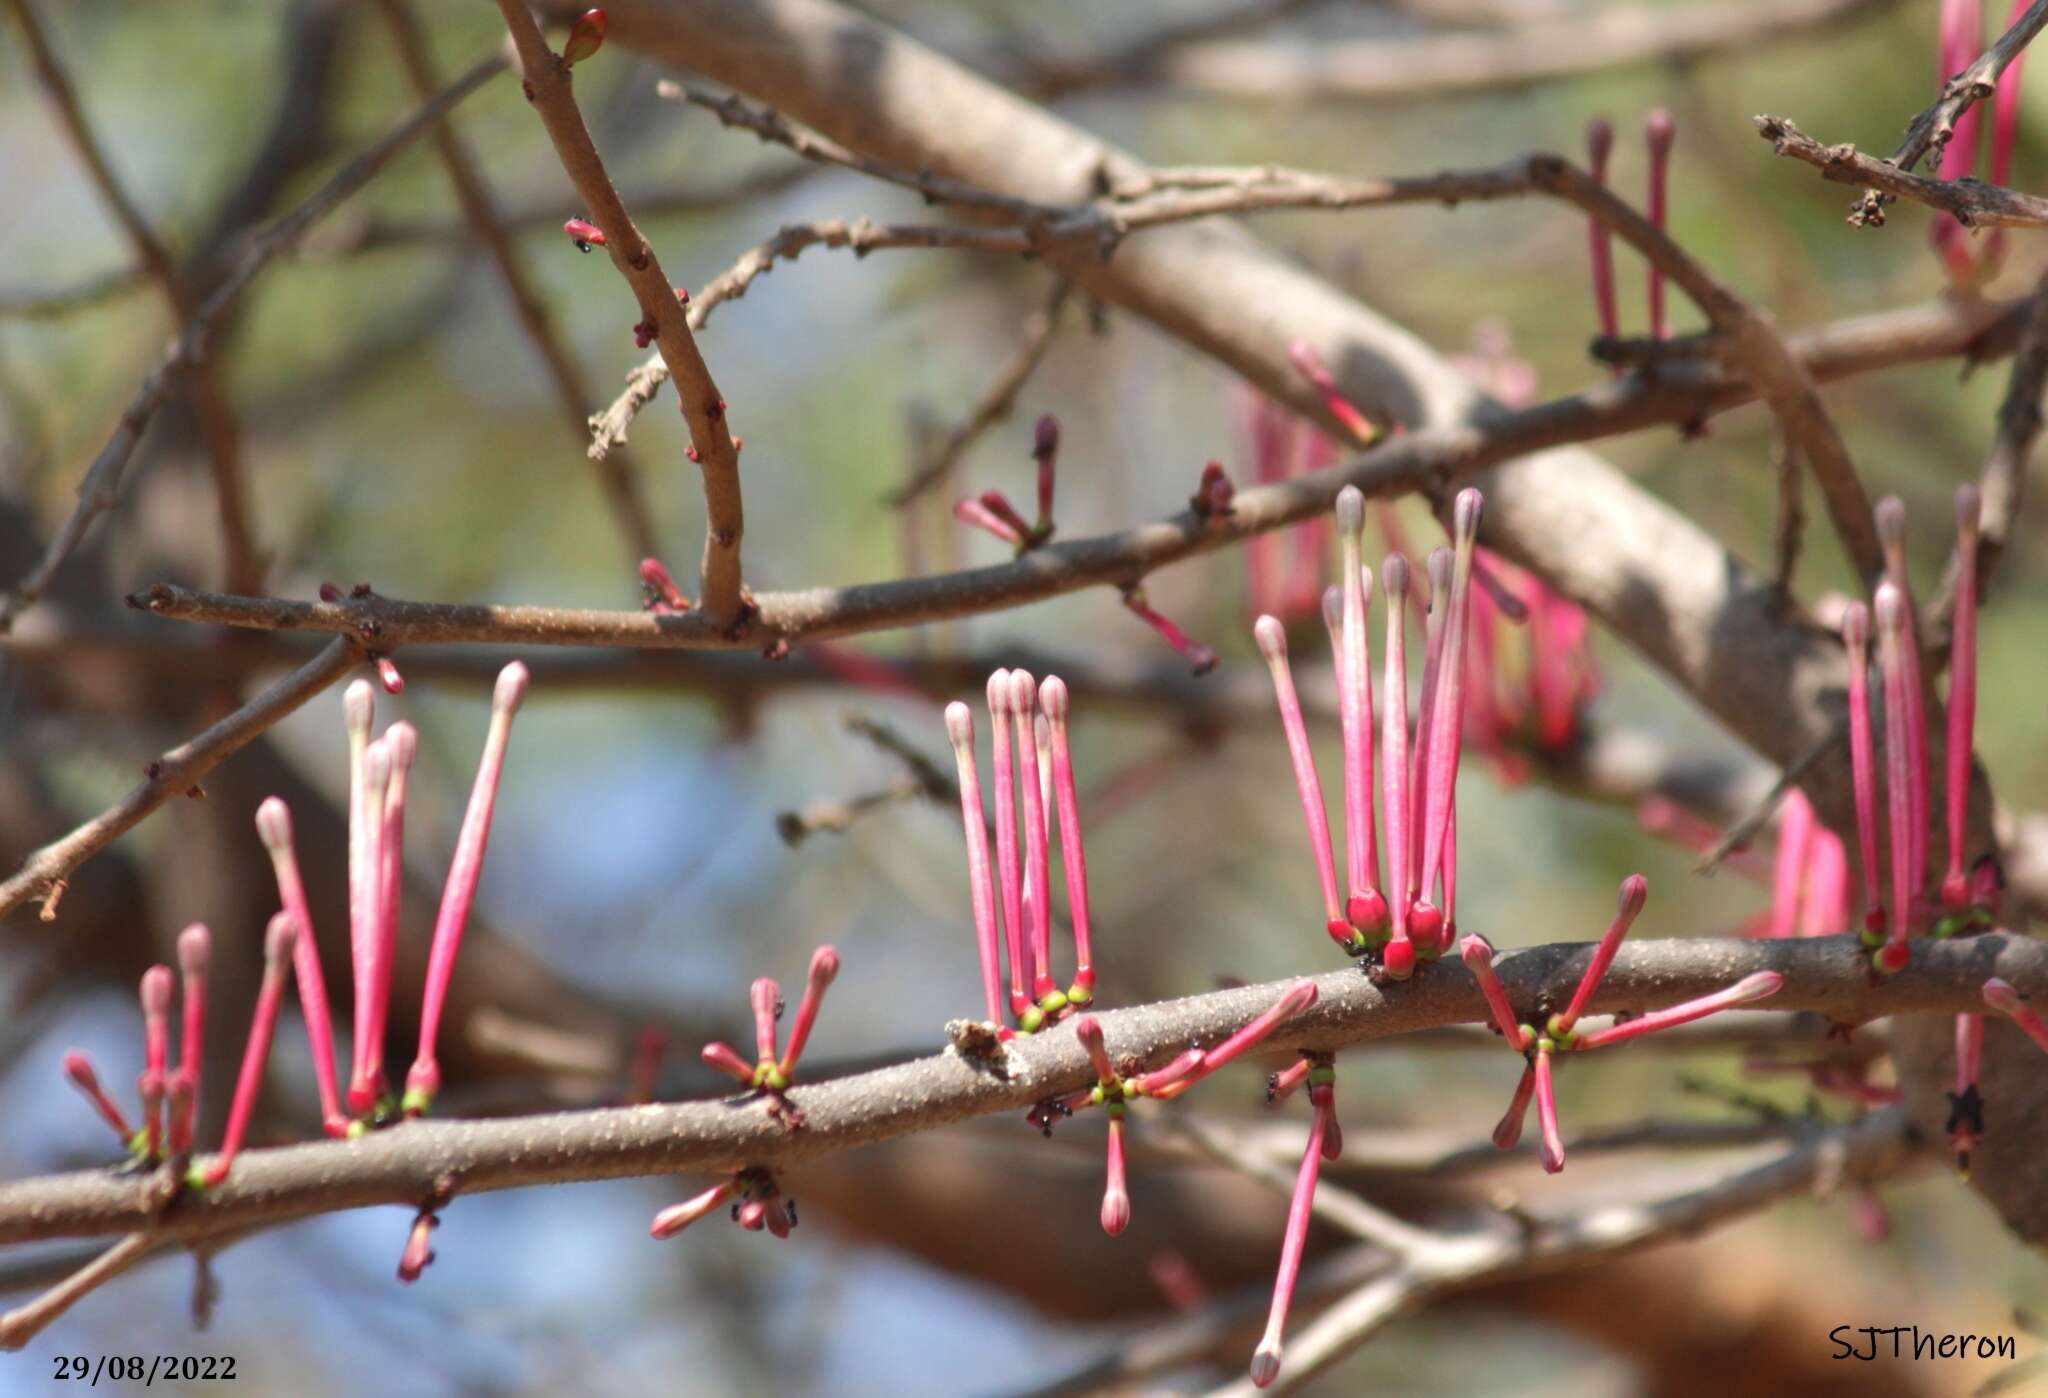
[
  {"x": 1973, "y": 203},
  {"x": 102, "y": 482},
  {"x": 24, "y": 1323},
  {"x": 177, "y": 771},
  {"x": 217, "y": 422},
  {"x": 548, "y": 88},
  {"x": 1745, "y": 830},
  {"x": 616, "y": 474}
]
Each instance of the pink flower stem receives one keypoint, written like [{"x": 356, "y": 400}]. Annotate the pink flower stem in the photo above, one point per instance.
[
  {"x": 1508, "y": 1133},
  {"x": 78, "y": 1070},
  {"x": 1891, "y": 529},
  {"x": 1599, "y": 143},
  {"x": 1266, "y": 1361},
  {"x": 1272, "y": 639},
  {"x": 1660, "y": 131},
  {"x": 1053, "y": 698},
  {"x": 274, "y": 827},
  {"x": 1448, "y": 718},
  {"x": 1366, "y": 907},
  {"x": 1007, "y": 868},
  {"x": 766, "y": 998},
  {"x": 1281, "y": 1084},
  {"x": 423, "y": 1081},
  {"x": 1962, "y": 696},
  {"x": 156, "y": 1034},
  {"x": 1898, "y": 776},
  {"x": 1037, "y": 837},
  {"x": 401, "y": 740},
  {"x": 1551, "y": 1152},
  {"x": 980, "y": 882},
  {"x": 676, "y": 1217},
  {"x": 1757, "y": 986},
  {"x": 1634, "y": 892},
  {"x": 1399, "y": 954},
  {"x": 1795, "y": 851},
  {"x": 1422, "y": 918},
  {"x": 1863, "y": 760},
  {"x": 278, "y": 941},
  {"x": 366, "y": 913},
  {"x": 1191, "y": 1067},
  {"x": 727, "y": 1059},
  {"x": 1201, "y": 658},
  {"x": 973, "y": 512},
  {"x": 1478, "y": 956},
  {"x": 1116, "y": 1192},
  {"x": 195, "y": 950},
  {"x": 824, "y": 969}
]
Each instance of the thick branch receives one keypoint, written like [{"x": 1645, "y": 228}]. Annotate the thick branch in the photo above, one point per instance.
[{"x": 1973, "y": 203}]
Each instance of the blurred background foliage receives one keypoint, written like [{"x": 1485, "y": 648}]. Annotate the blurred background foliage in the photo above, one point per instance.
[{"x": 399, "y": 431}]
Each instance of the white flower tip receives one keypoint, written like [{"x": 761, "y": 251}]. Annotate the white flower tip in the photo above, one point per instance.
[
  {"x": 1116, "y": 1211},
  {"x": 999, "y": 692},
  {"x": 1998, "y": 994},
  {"x": 1969, "y": 508},
  {"x": 510, "y": 689},
  {"x": 1856, "y": 625},
  {"x": 960, "y": 726},
  {"x": 1476, "y": 950},
  {"x": 1758, "y": 986},
  {"x": 195, "y": 949},
  {"x": 359, "y": 708},
  {"x": 403, "y": 741},
  {"x": 1333, "y": 607},
  {"x": 1890, "y": 516},
  {"x": 1394, "y": 575},
  {"x": 1272, "y": 638},
  {"x": 1635, "y": 891},
  {"x": 1023, "y": 692},
  {"x": 1266, "y": 1364},
  {"x": 274, "y": 824},
  {"x": 1350, "y": 510},
  {"x": 1891, "y": 609},
  {"x": 824, "y": 966},
  {"x": 279, "y": 938},
  {"x": 156, "y": 991},
  {"x": 1662, "y": 130},
  {"x": 1053, "y": 698},
  {"x": 377, "y": 766},
  {"x": 1439, "y": 566},
  {"x": 1465, "y": 516}
]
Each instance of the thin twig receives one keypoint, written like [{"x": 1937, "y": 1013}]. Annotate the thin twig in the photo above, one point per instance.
[
  {"x": 24, "y": 1323},
  {"x": 217, "y": 422},
  {"x": 101, "y": 485},
  {"x": 1742, "y": 832},
  {"x": 616, "y": 474},
  {"x": 43, "y": 874},
  {"x": 549, "y": 90},
  {"x": 1973, "y": 203}
]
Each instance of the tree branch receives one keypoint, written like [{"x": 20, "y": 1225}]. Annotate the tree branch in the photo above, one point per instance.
[{"x": 1973, "y": 203}]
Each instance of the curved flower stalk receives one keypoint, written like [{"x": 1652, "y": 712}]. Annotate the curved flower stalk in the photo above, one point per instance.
[
  {"x": 1012, "y": 903},
  {"x": 992, "y": 512},
  {"x": 1560, "y": 1033},
  {"x": 1322, "y": 1132},
  {"x": 770, "y": 1072}
]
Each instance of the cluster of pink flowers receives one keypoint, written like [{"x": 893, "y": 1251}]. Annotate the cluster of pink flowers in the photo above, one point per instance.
[
  {"x": 1660, "y": 133},
  {"x": 377, "y": 782},
  {"x": 1962, "y": 40}
]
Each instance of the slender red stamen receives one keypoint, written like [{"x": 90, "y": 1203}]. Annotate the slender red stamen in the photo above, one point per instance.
[
  {"x": 980, "y": 882},
  {"x": 2005, "y": 125},
  {"x": 1825, "y": 909},
  {"x": 1551, "y": 1151},
  {"x": 195, "y": 950},
  {"x": 278, "y": 953},
  {"x": 1863, "y": 760},
  {"x": 274, "y": 828},
  {"x": 1191, "y": 1067},
  {"x": 156, "y": 1035},
  {"x": 824, "y": 968},
  {"x": 1281, "y": 1084},
  {"x": 1266, "y": 1361},
  {"x": 1891, "y": 530},
  {"x": 1399, "y": 955},
  {"x": 1599, "y": 142},
  {"x": 1310, "y": 366},
  {"x": 1660, "y": 131},
  {"x": 1037, "y": 838},
  {"x": 1448, "y": 718},
  {"x": 977, "y": 513},
  {"x": 1007, "y": 864},
  {"x": 1045, "y": 449},
  {"x": 1478, "y": 955},
  {"x": 726, "y": 1059},
  {"x": 1508, "y": 1133},
  {"x": 676, "y": 1217},
  {"x": 423, "y": 1081},
  {"x": 1272, "y": 639},
  {"x": 1437, "y": 569},
  {"x": 78, "y": 1069},
  {"x": 1759, "y": 985},
  {"x": 2001, "y": 996},
  {"x": 1635, "y": 891},
  {"x": 401, "y": 740},
  {"x": 766, "y": 998},
  {"x": 1898, "y": 784},
  {"x": 365, "y": 929},
  {"x": 1796, "y": 826},
  {"x": 418, "y": 1253},
  {"x": 1366, "y": 907},
  {"x": 1962, "y": 695},
  {"x": 1053, "y": 698},
  {"x": 1961, "y": 38},
  {"x": 1200, "y": 658}
]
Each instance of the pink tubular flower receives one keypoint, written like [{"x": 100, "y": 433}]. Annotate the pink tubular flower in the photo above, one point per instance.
[
  {"x": 1440, "y": 776},
  {"x": 726, "y": 1059},
  {"x": 418, "y": 1254},
  {"x": 1551, "y": 1152},
  {"x": 676, "y": 1217},
  {"x": 388, "y": 676},
  {"x": 1037, "y": 845},
  {"x": 1863, "y": 764},
  {"x": 1891, "y": 530},
  {"x": 1634, "y": 893},
  {"x": 278, "y": 942},
  {"x": 366, "y": 915},
  {"x": 2001, "y": 996},
  {"x": 1508, "y": 1133},
  {"x": 1281, "y": 1084},
  {"x": 1399, "y": 954},
  {"x": 1660, "y": 131},
  {"x": 1796, "y": 829},
  {"x": 195, "y": 950},
  {"x": 1760, "y": 985},
  {"x": 1599, "y": 143},
  {"x": 1008, "y": 867},
  {"x": 1966, "y": 1108},
  {"x": 423, "y": 1081},
  {"x": 1003, "y": 523},
  {"x": 1191, "y": 1067},
  {"x": 78, "y": 1070},
  {"x": 156, "y": 1033},
  {"x": 1272, "y": 639},
  {"x": 373, "y": 997},
  {"x": 274, "y": 827},
  {"x": 766, "y": 998},
  {"x": 824, "y": 969},
  {"x": 1891, "y": 627},
  {"x": 1052, "y": 697},
  {"x": 1201, "y": 659},
  {"x": 1265, "y": 1365},
  {"x": 1366, "y": 906},
  {"x": 1478, "y": 955},
  {"x": 1962, "y": 697},
  {"x": 980, "y": 881}
]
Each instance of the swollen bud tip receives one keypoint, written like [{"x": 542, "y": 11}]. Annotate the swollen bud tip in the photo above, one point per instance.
[
  {"x": 1350, "y": 510},
  {"x": 1394, "y": 576},
  {"x": 274, "y": 823},
  {"x": 1398, "y": 958},
  {"x": 999, "y": 691},
  {"x": 195, "y": 949},
  {"x": 1890, "y": 515},
  {"x": 1271, "y": 636},
  {"x": 1045, "y": 438},
  {"x": 1265, "y": 1366},
  {"x": 1465, "y": 516},
  {"x": 1599, "y": 140},
  {"x": 1856, "y": 625},
  {"x": 824, "y": 966},
  {"x": 960, "y": 725},
  {"x": 402, "y": 741},
  {"x": 279, "y": 938},
  {"x": 1053, "y": 698},
  {"x": 156, "y": 990},
  {"x": 511, "y": 688},
  {"x": 1023, "y": 692},
  {"x": 1891, "y": 608},
  {"x": 358, "y": 708},
  {"x": 78, "y": 1067},
  {"x": 1635, "y": 891},
  {"x": 1661, "y": 130},
  {"x": 1116, "y": 1212}
]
